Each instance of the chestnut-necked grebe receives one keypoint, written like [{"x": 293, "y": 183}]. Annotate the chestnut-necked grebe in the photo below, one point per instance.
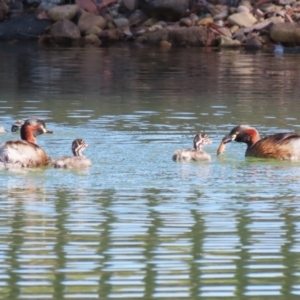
[
  {"x": 25, "y": 152},
  {"x": 282, "y": 146}
]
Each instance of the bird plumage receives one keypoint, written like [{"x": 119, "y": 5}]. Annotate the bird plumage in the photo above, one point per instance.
[
  {"x": 196, "y": 154},
  {"x": 282, "y": 146}
]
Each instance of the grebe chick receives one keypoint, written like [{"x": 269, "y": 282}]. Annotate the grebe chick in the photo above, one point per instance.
[
  {"x": 196, "y": 154},
  {"x": 74, "y": 162},
  {"x": 17, "y": 125},
  {"x": 25, "y": 152},
  {"x": 2, "y": 129},
  {"x": 282, "y": 146}
]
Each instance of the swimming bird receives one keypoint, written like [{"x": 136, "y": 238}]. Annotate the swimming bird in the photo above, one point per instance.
[
  {"x": 196, "y": 154},
  {"x": 2, "y": 129},
  {"x": 74, "y": 162},
  {"x": 282, "y": 146},
  {"x": 25, "y": 152},
  {"x": 17, "y": 125}
]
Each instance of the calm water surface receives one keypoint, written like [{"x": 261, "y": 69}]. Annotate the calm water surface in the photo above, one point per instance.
[{"x": 137, "y": 225}]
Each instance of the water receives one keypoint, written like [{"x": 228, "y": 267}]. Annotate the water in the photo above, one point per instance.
[{"x": 137, "y": 225}]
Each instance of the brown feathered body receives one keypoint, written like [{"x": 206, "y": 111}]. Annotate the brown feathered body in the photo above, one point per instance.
[
  {"x": 196, "y": 154},
  {"x": 25, "y": 153},
  {"x": 282, "y": 146}
]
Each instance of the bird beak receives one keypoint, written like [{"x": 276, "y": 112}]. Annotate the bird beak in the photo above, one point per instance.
[
  {"x": 228, "y": 138},
  {"x": 45, "y": 130}
]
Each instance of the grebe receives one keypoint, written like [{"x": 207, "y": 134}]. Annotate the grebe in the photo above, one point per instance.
[
  {"x": 2, "y": 129},
  {"x": 74, "y": 162},
  {"x": 17, "y": 125},
  {"x": 282, "y": 146},
  {"x": 25, "y": 152},
  {"x": 196, "y": 154}
]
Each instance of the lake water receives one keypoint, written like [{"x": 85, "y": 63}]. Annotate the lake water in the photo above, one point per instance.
[{"x": 136, "y": 225}]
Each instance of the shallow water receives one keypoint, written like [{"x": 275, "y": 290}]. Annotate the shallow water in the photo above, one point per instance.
[{"x": 137, "y": 225}]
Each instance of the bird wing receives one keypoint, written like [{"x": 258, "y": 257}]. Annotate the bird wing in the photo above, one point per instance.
[
  {"x": 285, "y": 146},
  {"x": 24, "y": 154}
]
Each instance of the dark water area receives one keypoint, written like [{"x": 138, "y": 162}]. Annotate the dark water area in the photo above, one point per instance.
[{"x": 136, "y": 225}]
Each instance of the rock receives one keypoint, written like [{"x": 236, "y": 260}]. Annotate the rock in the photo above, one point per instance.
[
  {"x": 253, "y": 43},
  {"x": 276, "y": 19},
  {"x": 168, "y": 10},
  {"x": 92, "y": 40},
  {"x": 225, "y": 31},
  {"x": 185, "y": 22},
  {"x": 150, "y": 22},
  {"x": 111, "y": 35},
  {"x": 94, "y": 30},
  {"x": 64, "y": 31},
  {"x": 179, "y": 36},
  {"x": 130, "y": 4},
  {"x": 108, "y": 18},
  {"x": 3, "y": 10},
  {"x": 194, "y": 18},
  {"x": 240, "y": 36},
  {"x": 45, "y": 5},
  {"x": 25, "y": 27},
  {"x": 63, "y": 12},
  {"x": 87, "y": 5},
  {"x": 188, "y": 37},
  {"x": 110, "y": 25},
  {"x": 137, "y": 17},
  {"x": 285, "y": 33},
  {"x": 88, "y": 20},
  {"x": 286, "y": 2},
  {"x": 217, "y": 9},
  {"x": 221, "y": 16},
  {"x": 267, "y": 7},
  {"x": 141, "y": 39},
  {"x": 242, "y": 19},
  {"x": 265, "y": 39},
  {"x": 242, "y": 8},
  {"x": 234, "y": 29},
  {"x": 115, "y": 34},
  {"x": 246, "y": 3},
  {"x": 15, "y": 6},
  {"x": 165, "y": 45},
  {"x": 155, "y": 37},
  {"x": 205, "y": 21},
  {"x": 162, "y": 24},
  {"x": 226, "y": 42},
  {"x": 155, "y": 27},
  {"x": 121, "y": 22}
]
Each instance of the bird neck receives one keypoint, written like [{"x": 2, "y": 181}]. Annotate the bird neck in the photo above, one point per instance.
[
  {"x": 77, "y": 152},
  {"x": 27, "y": 134},
  {"x": 253, "y": 137}
]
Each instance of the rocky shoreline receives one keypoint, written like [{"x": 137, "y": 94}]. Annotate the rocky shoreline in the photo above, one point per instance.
[{"x": 163, "y": 23}]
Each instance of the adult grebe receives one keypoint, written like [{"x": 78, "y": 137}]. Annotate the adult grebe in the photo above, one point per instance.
[
  {"x": 25, "y": 152},
  {"x": 282, "y": 146}
]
